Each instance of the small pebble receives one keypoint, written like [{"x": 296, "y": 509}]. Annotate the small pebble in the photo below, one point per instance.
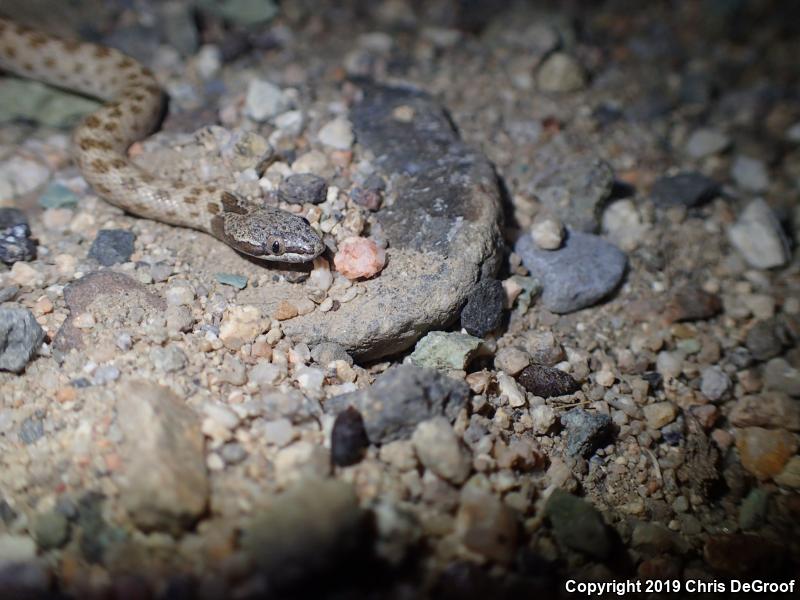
[
  {"x": 689, "y": 189},
  {"x": 715, "y": 383},
  {"x": 237, "y": 281},
  {"x": 560, "y": 72},
  {"x": 303, "y": 188},
  {"x": 348, "y": 438},
  {"x": 483, "y": 312},
  {"x": 112, "y": 246},
  {"x": 547, "y": 382},
  {"x": 359, "y": 258},
  {"x": 440, "y": 450},
  {"x": 21, "y": 336},
  {"x": 264, "y": 100},
  {"x": 337, "y": 134},
  {"x": 548, "y": 233},
  {"x": 758, "y": 236},
  {"x": 750, "y": 174},
  {"x": 705, "y": 142},
  {"x": 585, "y": 431}
]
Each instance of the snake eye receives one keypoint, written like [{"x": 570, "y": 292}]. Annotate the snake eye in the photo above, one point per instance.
[{"x": 277, "y": 247}]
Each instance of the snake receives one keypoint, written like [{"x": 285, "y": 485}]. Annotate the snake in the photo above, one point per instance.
[{"x": 133, "y": 103}]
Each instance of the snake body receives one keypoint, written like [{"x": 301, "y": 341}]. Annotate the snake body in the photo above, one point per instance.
[{"x": 133, "y": 107}]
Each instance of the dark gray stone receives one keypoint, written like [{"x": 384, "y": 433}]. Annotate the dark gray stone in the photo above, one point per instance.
[
  {"x": 576, "y": 190},
  {"x": 582, "y": 272},
  {"x": 112, "y": 246},
  {"x": 15, "y": 237},
  {"x": 313, "y": 528},
  {"x": 348, "y": 438},
  {"x": 586, "y": 431},
  {"x": 401, "y": 398},
  {"x": 763, "y": 340},
  {"x": 327, "y": 352},
  {"x": 577, "y": 525},
  {"x": 484, "y": 309},
  {"x": 20, "y": 338},
  {"x": 547, "y": 382},
  {"x": 8, "y": 293},
  {"x": 303, "y": 188},
  {"x": 689, "y": 189},
  {"x": 442, "y": 228}
]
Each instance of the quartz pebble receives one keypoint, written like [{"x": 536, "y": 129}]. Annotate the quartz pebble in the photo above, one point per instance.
[
  {"x": 359, "y": 258},
  {"x": 705, "y": 142},
  {"x": 750, "y": 174},
  {"x": 715, "y": 383},
  {"x": 337, "y": 134},
  {"x": 547, "y": 233},
  {"x": 440, "y": 450},
  {"x": 758, "y": 236},
  {"x": 560, "y": 72},
  {"x": 264, "y": 100}
]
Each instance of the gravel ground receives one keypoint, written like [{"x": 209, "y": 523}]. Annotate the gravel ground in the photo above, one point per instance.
[{"x": 619, "y": 400}]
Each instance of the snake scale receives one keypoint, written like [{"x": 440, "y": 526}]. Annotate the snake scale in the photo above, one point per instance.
[{"x": 133, "y": 106}]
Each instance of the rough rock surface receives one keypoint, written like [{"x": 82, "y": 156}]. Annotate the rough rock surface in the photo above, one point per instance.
[
  {"x": 401, "y": 398},
  {"x": 165, "y": 479},
  {"x": 20, "y": 338},
  {"x": 442, "y": 228}
]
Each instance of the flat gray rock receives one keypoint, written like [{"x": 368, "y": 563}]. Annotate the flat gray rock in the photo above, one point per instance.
[
  {"x": 441, "y": 219},
  {"x": 582, "y": 272}
]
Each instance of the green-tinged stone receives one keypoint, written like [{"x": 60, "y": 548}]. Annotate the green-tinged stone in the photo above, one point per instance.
[
  {"x": 689, "y": 346},
  {"x": 753, "y": 511},
  {"x": 58, "y": 196},
  {"x": 34, "y": 101},
  {"x": 530, "y": 289},
  {"x": 51, "y": 530},
  {"x": 241, "y": 12},
  {"x": 237, "y": 281},
  {"x": 445, "y": 350},
  {"x": 577, "y": 524}
]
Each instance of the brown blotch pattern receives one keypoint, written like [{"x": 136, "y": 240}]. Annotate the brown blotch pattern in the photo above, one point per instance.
[
  {"x": 99, "y": 166},
  {"x": 101, "y": 51},
  {"x": 101, "y": 189},
  {"x": 49, "y": 62},
  {"x": 196, "y": 191},
  {"x": 71, "y": 46},
  {"x": 190, "y": 199},
  {"x": 10, "y": 51},
  {"x": 89, "y": 144},
  {"x": 92, "y": 121},
  {"x": 110, "y": 126},
  {"x": 212, "y": 208},
  {"x": 118, "y": 163},
  {"x": 37, "y": 40},
  {"x": 136, "y": 109}
]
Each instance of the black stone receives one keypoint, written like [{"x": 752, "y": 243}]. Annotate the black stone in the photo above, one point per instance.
[
  {"x": 689, "y": 189},
  {"x": 348, "y": 438},
  {"x": 112, "y": 246},
  {"x": 401, "y": 398},
  {"x": 547, "y": 382},
  {"x": 484, "y": 309},
  {"x": 15, "y": 237},
  {"x": 303, "y": 188},
  {"x": 586, "y": 431}
]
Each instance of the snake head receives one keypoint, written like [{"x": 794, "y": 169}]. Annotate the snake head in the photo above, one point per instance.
[{"x": 267, "y": 233}]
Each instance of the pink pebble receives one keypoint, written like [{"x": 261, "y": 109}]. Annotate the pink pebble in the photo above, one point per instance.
[{"x": 359, "y": 257}]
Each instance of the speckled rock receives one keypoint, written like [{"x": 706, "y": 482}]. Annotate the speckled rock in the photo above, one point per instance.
[
  {"x": 577, "y": 525},
  {"x": 16, "y": 243},
  {"x": 20, "y": 338},
  {"x": 164, "y": 475},
  {"x": 112, "y": 246},
  {"x": 582, "y": 272},
  {"x": 303, "y": 187},
  {"x": 484, "y": 309},
  {"x": 446, "y": 205},
  {"x": 445, "y": 350},
  {"x": 585, "y": 431},
  {"x": 401, "y": 398},
  {"x": 575, "y": 191},
  {"x": 547, "y": 381}
]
